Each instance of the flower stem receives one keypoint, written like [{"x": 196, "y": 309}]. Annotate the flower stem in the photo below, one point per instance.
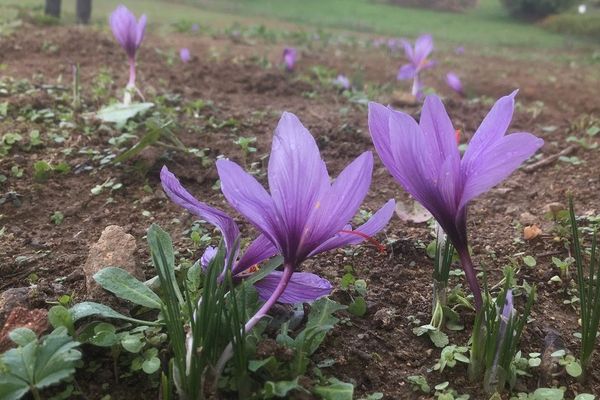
[
  {"x": 35, "y": 393},
  {"x": 131, "y": 71},
  {"x": 440, "y": 300},
  {"x": 467, "y": 265},
  {"x": 416, "y": 87},
  {"x": 130, "y": 88},
  {"x": 288, "y": 269}
]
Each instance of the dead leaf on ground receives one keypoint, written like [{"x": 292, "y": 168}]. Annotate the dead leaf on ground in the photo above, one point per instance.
[
  {"x": 531, "y": 232},
  {"x": 415, "y": 213}
]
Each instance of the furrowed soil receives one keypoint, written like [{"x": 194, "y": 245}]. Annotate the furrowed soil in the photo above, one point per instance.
[{"x": 244, "y": 92}]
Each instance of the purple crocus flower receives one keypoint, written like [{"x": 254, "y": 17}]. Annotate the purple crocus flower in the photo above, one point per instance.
[
  {"x": 195, "y": 27},
  {"x": 342, "y": 81},
  {"x": 129, "y": 32},
  {"x": 424, "y": 158},
  {"x": 184, "y": 54},
  {"x": 460, "y": 50},
  {"x": 303, "y": 287},
  {"x": 289, "y": 58},
  {"x": 454, "y": 82},
  {"x": 304, "y": 214},
  {"x": 418, "y": 61}
]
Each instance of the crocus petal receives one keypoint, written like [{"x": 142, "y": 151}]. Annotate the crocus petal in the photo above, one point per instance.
[
  {"x": 370, "y": 228},
  {"x": 303, "y": 287},
  {"x": 297, "y": 175},
  {"x": 408, "y": 50},
  {"x": 496, "y": 163},
  {"x": 378, "y": 121},
  {"x": 250, "y": 199},
  {"x": 448, "y": 184},
  {"x": 258, "y": 251},
  {"x": 140, "y": 31},
  {"x": 423, "y": 47},
  {"x": 207, "y": 256},
  {"x": 417, "y": 170},
  {"x": 492, "y": 128},
  {"x": 180, "y": 196},
  {"x": 427, "y": 64},
  {"x": 407, "y": 71},
  {"x": 120, "y": 23},
  {"x": 508, "y": 312},
  {"x": 402, "y": 157},
  {"x": 440, "y": 136},
  {"x": 340, "y": 203},
  {"x": 414, "y": 168}
]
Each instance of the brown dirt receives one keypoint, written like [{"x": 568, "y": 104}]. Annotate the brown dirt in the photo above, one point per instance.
[{"x": 376, "y": 357}]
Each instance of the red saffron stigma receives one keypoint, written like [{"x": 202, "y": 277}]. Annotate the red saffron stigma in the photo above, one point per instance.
[
  {"x": 374, "y": 242},
  {"x": 457, "y": 133}
]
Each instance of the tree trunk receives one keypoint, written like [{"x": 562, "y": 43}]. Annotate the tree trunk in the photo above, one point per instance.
[
  {"x": 53, "y": 8},
  {"x": 84, "y": 11}
]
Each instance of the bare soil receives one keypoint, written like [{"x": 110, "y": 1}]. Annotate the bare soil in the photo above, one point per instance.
[{"x": 375, "y": 354}]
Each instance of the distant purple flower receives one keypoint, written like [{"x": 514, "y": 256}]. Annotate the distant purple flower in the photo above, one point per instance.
[
  {"x": 342, "y": 81},
  {"x": 393, "y": 45},
  {"x": 424, "y": 158},
  {"x": 460, "y": 50},
  {"x": 304, "y": 287},
  {"x": 454, "y": 82},
  {"x": 378, "y": 42},
  {"x": 289, "y": 58},
  {"x": 195, "y": 27},
  {"x": 129, "y": 33},
  {"x": 418, "y": 61},
  {"x": 184, "y": 54}
]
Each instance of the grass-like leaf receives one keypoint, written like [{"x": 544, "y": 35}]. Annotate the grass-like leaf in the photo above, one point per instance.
[{"x": 588, "y": 288}]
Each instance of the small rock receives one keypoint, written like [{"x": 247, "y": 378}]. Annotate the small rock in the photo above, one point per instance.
[
  {"x": 363, "y": 355},
  {"x": 20, "y": 317},
  {"x": 527, "y": 219},
  {"x": 554, "y": 208},
  {"x": 549, "y": 367},
  {"x": 402, "y": 98},
  {"x": 385, "y": 316},
  {"x": 12, "y": 298},
  {"x": 115, "y": 248},
  {"x": 502, "y": 190}
]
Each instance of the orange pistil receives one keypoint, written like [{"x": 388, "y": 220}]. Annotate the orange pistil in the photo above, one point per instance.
[
  {"x": 247, "y": 272},
  {"x": 374, "y": 242},
  {"x": 457, "y": 133},
  {"x": 253, "y": 269}
]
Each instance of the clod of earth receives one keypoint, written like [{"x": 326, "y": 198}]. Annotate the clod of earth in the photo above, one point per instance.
[
  {"x": 21, "y": 317},
  {"x": 115, "y": 248}
]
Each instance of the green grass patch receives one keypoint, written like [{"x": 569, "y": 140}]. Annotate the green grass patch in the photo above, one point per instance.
[
  {"x": 586, "y": 25},
  {"x": 487, "y": 24}
]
